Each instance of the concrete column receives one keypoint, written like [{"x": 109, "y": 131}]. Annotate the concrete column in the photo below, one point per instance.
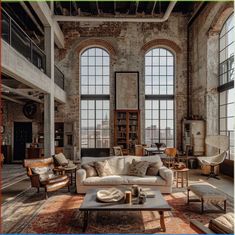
[
  {"x": 212, "y": 105},
  {"x": 49, "y": 122}
]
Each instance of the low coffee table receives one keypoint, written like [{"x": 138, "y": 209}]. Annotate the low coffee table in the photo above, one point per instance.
[{"x": 157, "y": 203}]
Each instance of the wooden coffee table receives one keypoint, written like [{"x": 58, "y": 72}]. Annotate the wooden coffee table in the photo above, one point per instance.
[{"x": 157, "y": 203}]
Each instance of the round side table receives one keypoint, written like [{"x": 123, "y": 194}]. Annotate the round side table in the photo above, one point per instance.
[
  {"x": 181, "y": 176},
  {"x": 71, "y": 171}
]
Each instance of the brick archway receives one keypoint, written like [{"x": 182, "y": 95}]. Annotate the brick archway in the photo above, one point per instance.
[
  {"x": 96, "y": 42},
  {"x": 161, "y": 42},
  {"x": 220, "y": 19}
]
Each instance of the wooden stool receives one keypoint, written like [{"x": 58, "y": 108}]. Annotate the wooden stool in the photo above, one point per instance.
[{"x": 180, "y": 173}]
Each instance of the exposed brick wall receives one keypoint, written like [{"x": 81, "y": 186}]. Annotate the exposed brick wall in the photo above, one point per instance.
[
  {"x": 161, "y": 42},
  {"x": 127, "y": 43},
  {"x": 96, "y": 42}
]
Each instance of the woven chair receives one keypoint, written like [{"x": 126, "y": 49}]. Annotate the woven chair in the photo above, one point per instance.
[{"x": 117, "y": 150}]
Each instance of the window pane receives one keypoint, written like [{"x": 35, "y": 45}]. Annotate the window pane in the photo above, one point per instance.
[
  {"x": 227, "y": 101},
  {"x": 94, "y": 113},
  {"x": 148, "y": 61},
  {"x": 159, "y": 80}
]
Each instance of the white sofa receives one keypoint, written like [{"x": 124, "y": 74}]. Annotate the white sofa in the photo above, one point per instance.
[{"x": 119, "y": 165}]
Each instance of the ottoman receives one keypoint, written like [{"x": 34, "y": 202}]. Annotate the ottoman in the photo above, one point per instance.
[{"x": 206, "y": 194}]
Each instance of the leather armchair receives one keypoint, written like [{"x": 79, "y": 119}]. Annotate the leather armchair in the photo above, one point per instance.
[{"x": 50, "y": 184}]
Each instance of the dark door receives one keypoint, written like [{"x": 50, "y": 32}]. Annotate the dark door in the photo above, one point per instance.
[{"x": 22, "y": 135}]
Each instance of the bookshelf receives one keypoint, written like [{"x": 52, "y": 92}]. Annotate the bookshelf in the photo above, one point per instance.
[{"x": 127, "y": 128}]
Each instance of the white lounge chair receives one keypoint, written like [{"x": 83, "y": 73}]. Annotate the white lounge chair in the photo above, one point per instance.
[{"x": 221, "y": 142}]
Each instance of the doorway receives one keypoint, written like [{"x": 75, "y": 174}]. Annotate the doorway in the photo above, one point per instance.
[{"x": 22, "y": 135}]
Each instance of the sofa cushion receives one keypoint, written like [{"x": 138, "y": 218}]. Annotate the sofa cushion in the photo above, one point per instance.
[
  {"x": 146, "y": 180},
  {"x": 117, "y": 165},
  {"x": 103, "y": 168},
  {"x": 106, "y": 180},
  {"x": 153, "y": 168},
  {"x": 223, "y": 224},
  {"x": 90, "y": 169},
  {"x": 138, "y": 168},
  {"x": 128, "y": 161},
  {"x": 61, "y": 159}
]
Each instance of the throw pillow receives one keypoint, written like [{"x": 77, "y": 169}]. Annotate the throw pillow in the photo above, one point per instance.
[
  {"x": 44, "y": 173},
  {"x": 42, "y": 170},
  {"x": 46, "y": 176},
  {"x": 103, "y": 168},
  {"x": 90, "y": 169},
  {"x": 138, "y": 168},
  {"x": 61, "y": 159},
  {"x": 153, "y": 168}
]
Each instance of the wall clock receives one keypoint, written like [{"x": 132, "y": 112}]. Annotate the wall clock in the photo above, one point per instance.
[{"x": 30, "y": 109}]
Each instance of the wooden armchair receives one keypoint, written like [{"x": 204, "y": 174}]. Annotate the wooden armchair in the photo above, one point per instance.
[
  {"x": 41, "y": 174},
  {"x": 117, "y": 150},
  {"x": 171, "y": 157}
]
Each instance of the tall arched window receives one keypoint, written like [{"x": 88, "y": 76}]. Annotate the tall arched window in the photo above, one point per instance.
[
  {"x": 226, "y": 83},
  {"x": 159, "y": 97},
  {"x": 94, "y": 88}
]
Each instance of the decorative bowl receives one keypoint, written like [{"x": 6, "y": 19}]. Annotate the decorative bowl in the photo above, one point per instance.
[{"x": 110, "y": 195}]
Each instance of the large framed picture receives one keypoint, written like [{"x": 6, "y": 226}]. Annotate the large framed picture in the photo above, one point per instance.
[{"x": 127, "y": 90}]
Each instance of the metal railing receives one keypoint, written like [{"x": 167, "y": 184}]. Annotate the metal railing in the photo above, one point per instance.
[
  {"x": 19, "y": 40},
  {"x": 59, "y": 78},
  {"x": 15, "y": 36}
]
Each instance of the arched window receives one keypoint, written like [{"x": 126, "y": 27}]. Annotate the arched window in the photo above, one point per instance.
[
  {"x": 226, "y": 83},
  {"x": 159, "y": 97},
  {"x": 94, "y": 88}
]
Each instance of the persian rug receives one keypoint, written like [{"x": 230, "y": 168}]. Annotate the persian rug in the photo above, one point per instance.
[{"x": 31, "y": 213}]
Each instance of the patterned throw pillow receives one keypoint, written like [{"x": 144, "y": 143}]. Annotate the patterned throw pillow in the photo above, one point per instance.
[
  {"x": 138, "y": 168},
  {"x": 42, "y": 170},
  {"x": 103, "y": 168},
  {"x": 153, "y": 168},
  {"x": 90, "y": 169},
  {"x": 61, "y": 159},
  {"x": 45, "y": 173}
]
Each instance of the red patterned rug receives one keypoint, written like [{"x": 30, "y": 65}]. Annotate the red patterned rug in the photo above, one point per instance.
[{"x": 60, "y": 214}]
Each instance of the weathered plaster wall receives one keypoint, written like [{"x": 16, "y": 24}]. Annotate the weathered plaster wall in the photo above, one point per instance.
[
  {"x": 126, "y": 40},
  {"x": 204, "y": 51}
]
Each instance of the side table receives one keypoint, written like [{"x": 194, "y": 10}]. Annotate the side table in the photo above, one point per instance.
[
  {"x": 71, "y": 171},
  {"x": 59, "y": 170},
  {"x": 181, "y": 176}
]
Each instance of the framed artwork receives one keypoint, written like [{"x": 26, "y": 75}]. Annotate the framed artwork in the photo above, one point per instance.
[{"x": 127, "y": 90}]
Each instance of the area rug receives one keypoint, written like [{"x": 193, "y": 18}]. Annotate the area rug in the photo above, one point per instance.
[
  {"x": 17, "y": 174},
  {"x": 60, "y": 214}
]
